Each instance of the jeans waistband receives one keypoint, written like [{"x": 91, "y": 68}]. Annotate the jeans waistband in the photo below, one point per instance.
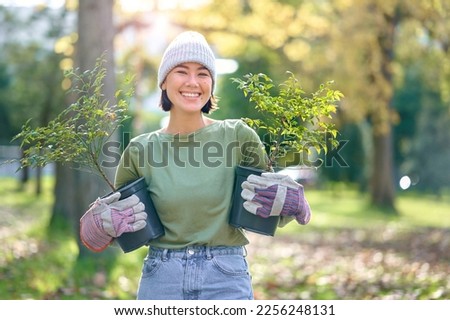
[{"x": 196, "y": 251}]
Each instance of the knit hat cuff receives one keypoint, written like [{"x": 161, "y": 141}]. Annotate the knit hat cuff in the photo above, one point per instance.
[{"x": 189, "y": 46}]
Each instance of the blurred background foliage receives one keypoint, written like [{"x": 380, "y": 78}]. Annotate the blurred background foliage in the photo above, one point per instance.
[{"x": 390, "y": 59}]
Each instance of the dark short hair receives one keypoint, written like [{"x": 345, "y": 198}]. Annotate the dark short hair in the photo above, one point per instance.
[{"x": 166, "y": 104}]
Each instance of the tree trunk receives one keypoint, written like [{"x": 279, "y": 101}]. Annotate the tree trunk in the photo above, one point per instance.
[
  {"x": 75, "y": 190},
  {"x": 382, "y": 191},
  {"x": 24, "y": 172},
  {"x": 38, "y": 186},
  {"x": 63, "y": 212},
  {"x": 382, "y": 186},
  {"x": 95, "y": 37}
]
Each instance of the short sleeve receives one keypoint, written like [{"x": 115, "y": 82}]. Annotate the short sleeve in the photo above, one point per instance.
[
  {"x": 127, "y": 169},
  {"x": 252, "y": 149}
]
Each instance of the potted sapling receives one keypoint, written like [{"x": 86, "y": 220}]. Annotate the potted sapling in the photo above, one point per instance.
[
  {"x": 77, "y": 136},
  {"x": 291, "y": 122}
]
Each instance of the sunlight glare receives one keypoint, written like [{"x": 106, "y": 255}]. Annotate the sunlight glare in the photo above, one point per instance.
[
  {"x": 146, "y": 5},
  {"x": 405, "y": 182},
  {"x": 31, "y": 3}
]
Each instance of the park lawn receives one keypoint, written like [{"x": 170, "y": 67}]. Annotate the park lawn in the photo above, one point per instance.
[
  {"x": 350, "y": 208},
  {"x": 351, "y": 250},
  {"x": 36, "y": 266}
]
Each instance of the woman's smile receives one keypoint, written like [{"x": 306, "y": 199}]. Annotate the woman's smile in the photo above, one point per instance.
[
  {"x": 190, "y": 94},
  {"x": 189, "y": 87}
]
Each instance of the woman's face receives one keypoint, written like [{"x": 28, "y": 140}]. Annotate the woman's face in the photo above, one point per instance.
[{"x": 188, "y": 87}]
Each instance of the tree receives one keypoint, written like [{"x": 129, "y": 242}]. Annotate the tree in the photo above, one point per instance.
[
  {"x": 300, "y": 34},
  {"x": 75, "y": 190},
  {"x": 33, "y": 70},
  {"x": 377, "y": 21},
  {"x": 6, "y": 130},
  {"x": 356, "y": 43}
]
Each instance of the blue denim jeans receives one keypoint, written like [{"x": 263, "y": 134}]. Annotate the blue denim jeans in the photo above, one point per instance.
[{"x": 195, "y": 273}]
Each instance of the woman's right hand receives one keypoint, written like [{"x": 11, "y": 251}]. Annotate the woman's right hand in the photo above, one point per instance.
[{"x": 110, "y": 217}]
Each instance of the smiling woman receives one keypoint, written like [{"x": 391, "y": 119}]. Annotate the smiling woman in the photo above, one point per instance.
[{"x": 192, "y": 189}]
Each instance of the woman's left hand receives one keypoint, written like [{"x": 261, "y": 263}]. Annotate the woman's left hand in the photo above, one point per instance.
[{"x": 273, "y": 194}]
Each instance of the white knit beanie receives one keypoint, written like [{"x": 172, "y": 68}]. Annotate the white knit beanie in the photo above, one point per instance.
[{"x": 188, "y": 46}]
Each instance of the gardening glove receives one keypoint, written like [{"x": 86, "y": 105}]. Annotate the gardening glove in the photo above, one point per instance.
[
  {"x": 108, "y": 218},
  {"x": 273, "y": 194}
]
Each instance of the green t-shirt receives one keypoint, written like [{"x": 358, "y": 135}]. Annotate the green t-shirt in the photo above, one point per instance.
[{"x": 190, "y": 179}]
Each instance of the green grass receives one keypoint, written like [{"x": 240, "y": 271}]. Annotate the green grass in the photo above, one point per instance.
[
  {"x": 317, "y": 261},
  {"x": 36, "y": 265},
  {"x": 351, "y": 209}
]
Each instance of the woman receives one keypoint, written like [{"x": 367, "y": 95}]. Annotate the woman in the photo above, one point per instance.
[{"x": 189, "y": 167}]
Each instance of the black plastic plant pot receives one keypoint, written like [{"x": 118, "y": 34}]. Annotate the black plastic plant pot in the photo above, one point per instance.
[
  {"x": 130, "y": 241},
  {"x": 241, "y": 218}
]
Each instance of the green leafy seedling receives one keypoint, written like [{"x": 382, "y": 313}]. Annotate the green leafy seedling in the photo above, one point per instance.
[
  {"x": 294, "y": 121},
  {"x": 78, "y": 134}
]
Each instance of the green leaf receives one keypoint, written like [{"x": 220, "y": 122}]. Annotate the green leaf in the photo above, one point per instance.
[{"x": 289, "y": 114}]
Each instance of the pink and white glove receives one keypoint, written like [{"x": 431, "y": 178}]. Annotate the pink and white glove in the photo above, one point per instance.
[
  {"x": 108, "y": 218},
  {"x": 273, "y": 194}
]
